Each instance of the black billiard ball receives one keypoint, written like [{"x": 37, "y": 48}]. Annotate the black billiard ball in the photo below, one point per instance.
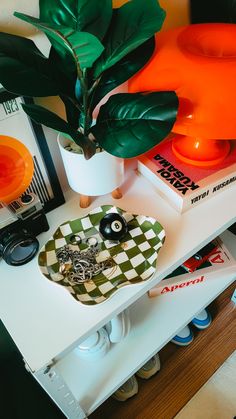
[{"x": 113, "y": 226}]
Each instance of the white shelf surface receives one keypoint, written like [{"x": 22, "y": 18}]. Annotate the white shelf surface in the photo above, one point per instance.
[
  {"x": 153, "y": 324},
  {"x": 44, "y": 320}
]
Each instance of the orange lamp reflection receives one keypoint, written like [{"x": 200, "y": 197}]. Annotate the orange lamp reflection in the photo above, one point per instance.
[
  {"x": 198, "y": 62},
  {"x": 16, "y": 168}
]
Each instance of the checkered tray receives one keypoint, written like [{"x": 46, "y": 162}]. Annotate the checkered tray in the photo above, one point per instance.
[{"x": 134, "y": 257}]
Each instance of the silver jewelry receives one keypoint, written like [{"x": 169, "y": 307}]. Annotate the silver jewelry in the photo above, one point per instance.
[{"x": 80, "y": 266}]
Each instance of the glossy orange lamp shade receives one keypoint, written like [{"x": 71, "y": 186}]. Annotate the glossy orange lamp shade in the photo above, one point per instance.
[
  {"x": 16, "y": 168},
  {"x": 198, "y": 62}
]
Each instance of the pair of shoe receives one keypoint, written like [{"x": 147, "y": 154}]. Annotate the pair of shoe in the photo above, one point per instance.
[
  {"x": 130, "y": 387},
  {"x": 201, "y": 321},
  {"x": 184, "y": 337}
]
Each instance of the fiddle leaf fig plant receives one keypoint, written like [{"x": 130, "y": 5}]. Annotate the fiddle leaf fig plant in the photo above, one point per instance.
[{"x": 94, "y": 49}]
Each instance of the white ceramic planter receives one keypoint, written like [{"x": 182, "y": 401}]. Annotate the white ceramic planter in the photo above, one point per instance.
[{"x": 97, "y": 176}]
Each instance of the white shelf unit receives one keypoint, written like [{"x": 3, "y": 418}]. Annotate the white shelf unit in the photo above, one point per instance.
[
  {"x": 46, "y": 322},
  {"x": 153, "y": 324}
]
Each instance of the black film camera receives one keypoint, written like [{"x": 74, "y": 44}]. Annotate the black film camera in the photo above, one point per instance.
[{"x": 20, "y": 223}]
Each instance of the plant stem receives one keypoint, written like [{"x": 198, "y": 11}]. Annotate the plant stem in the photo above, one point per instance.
[
  {"x": 76, "y": 104},
  {"x": 93, "y": 87},
  {"x": 85, "y": 102},
  {"x": 91, "y": 93},
  {"x": 83, "y": 82}
]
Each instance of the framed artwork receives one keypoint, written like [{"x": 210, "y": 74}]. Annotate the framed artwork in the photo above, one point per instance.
[{"x": 15, "y": 123}]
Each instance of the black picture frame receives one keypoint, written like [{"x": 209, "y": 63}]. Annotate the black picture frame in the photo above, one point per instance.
[{"x": 45, "y": 182}]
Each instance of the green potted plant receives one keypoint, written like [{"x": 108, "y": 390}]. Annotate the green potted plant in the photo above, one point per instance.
[{"x": 94, "y": 49}]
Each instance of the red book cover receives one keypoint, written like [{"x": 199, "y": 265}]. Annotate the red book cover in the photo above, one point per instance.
[{"x": 184, "y": 185}]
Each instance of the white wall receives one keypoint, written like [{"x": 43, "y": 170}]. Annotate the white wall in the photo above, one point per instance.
[
  {"x": 177, "y": 11},
  {"x": 9, "y": 23},
  {"x": 177, "y": 14}
]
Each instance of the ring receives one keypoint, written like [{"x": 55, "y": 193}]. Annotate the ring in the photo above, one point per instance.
[
  {"x": 92, "y": 241},
  {"x": 75, "y": 239}
]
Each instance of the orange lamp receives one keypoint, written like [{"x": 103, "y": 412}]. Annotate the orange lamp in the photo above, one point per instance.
[
  {"x": 198, "y": 62},
  {"x": 16, "y": 168}
]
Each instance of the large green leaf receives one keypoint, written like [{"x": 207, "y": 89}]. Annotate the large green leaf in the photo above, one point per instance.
[
  {"x": 63, "y": 61},
  {"x": 123, "y": 70},
  {"x": 72, "y": 111},
  {"x": 84, "y": 47},
  {"x": 65, "y": 75},
  {"x": 91, "y": 16},
  {"x": 131, "y": 25},
  {"x": 131, "y": 124},
  {"x": 23, "y": 68},
  {"x": 66, "y": 78},
  {"x": 50, "y": 119}
]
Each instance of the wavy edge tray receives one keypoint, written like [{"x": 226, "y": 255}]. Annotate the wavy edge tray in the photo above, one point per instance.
[{"x": 134, "y": 257}]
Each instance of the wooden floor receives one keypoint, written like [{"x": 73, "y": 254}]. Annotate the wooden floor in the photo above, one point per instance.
[{"x": 184, "y": 369}]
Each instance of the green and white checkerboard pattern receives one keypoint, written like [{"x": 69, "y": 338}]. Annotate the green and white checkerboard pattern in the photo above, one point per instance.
[{"x": 134, "y": 257}]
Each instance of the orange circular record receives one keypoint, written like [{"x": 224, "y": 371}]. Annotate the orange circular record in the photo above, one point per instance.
[{"x": 16, "y": 168}]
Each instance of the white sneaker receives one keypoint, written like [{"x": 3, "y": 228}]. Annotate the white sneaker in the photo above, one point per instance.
[
  {"x": 150, "y": 368},
  {"x": 127, "y": 390},
  {"x": 202, "y": 320},
  {"x": 184, "y": 337}
]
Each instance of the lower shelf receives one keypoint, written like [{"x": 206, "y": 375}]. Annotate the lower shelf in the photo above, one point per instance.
[
  {"x": 153, "y": 324},
  {"x": 184, "y": 370}
]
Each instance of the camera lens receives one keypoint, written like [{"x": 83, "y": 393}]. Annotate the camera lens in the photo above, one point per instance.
[
  {"x": 26, "y": 199},
  {"x": 20, "y": 248}
]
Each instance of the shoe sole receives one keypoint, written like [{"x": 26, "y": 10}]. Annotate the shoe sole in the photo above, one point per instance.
[
  {"x": 182, "y": 343},
  {"x": 147, "y": 374},
  {"x": 122, "y": 397},
  {"x": 201, "y": 327},
  {"x": 202, "y": 324}
]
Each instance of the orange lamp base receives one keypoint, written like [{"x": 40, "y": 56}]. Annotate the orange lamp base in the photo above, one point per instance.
[{"x": 200, "y": 151}]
